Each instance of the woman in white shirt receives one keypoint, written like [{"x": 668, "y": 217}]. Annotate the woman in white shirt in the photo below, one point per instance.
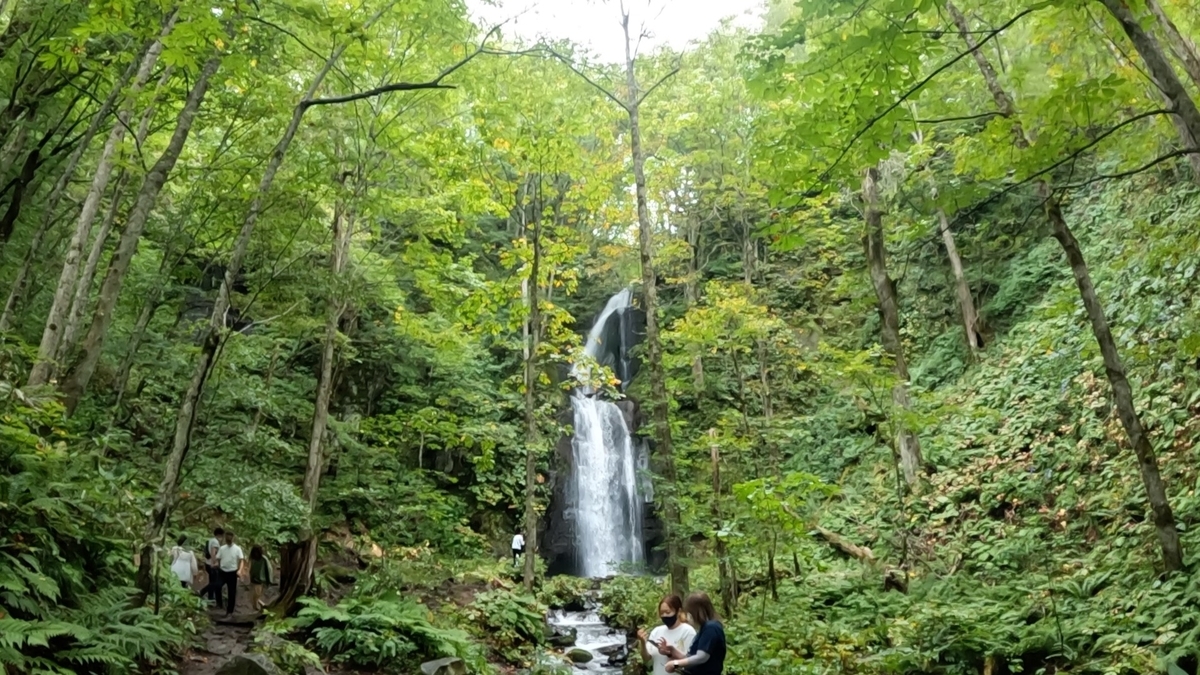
[
  {"x": 518, "y": 545},
  {"x": 184, "y": 563},
  {"x": 673, "y": 634}
]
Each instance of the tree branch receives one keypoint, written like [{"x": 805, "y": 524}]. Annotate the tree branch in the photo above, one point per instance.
[
  {"x": 921, "y": 85},
  {"x": 435, "y": 83},
  {"x": 1131, "y": 172},
  {"x": 567, "y": 62},
  {"x": 657, "y": 84},
  {"x": 960, "y": 118}
]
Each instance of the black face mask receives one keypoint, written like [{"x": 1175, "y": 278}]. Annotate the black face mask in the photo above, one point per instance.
[{"x": 669, "y": 621}]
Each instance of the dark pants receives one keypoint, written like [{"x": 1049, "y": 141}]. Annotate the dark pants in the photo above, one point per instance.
[
  {"x": 230, "y": 581},
  {"x": 213, "y": 590},
  {"x": 516, "y": 554}
]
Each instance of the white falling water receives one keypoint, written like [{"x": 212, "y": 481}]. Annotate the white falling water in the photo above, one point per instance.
[{"x": 604, "y": 486}]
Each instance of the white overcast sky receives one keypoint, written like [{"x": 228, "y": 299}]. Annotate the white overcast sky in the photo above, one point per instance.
[{"x": 596, "y": 23}]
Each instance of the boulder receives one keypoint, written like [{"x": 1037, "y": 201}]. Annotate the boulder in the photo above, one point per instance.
[
  {"x": 617, "y": 654},
  {"x": 450, "y": 666},
  {"x": 562, "y": 637},
  {"x": 580, "y": 656},
  {"x": 248, "y": 664}
]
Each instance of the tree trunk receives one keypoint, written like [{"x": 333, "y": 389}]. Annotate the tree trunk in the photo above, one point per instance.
[
  {"x": 1161, "y": 71},
  {"x": 727, "y": 583},
  {"x": 145, "y": 316},
  {"x": 658, "y": 384},
  {"x": 1183, "y": 48},
  {"x": 908, "y": 446},
  {"x": 300, "y": 558},
  {"x": 43, "y": 367},
  {"x": 691, "y": 292},
  {"x": 77, "y": 378},
  {"x": 83, "y": 290},
  {"x": 533, "y": 327},
  {"x": 1164, "y": 519},
  {"x": 966, "y": 301},
  {"x": 188, "y": 406},
  {"x": 18, "y": 288}
]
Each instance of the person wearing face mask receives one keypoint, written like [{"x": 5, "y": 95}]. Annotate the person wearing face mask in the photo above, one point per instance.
[
  {"x": 706, "y": 656},
  {"x": 673, "y": 638}
]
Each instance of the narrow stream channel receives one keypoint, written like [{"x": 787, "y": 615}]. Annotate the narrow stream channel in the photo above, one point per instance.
[{"x": 591, "y": 633}]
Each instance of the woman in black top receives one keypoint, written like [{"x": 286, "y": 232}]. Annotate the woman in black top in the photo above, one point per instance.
[{"x": 707, "y": 654}]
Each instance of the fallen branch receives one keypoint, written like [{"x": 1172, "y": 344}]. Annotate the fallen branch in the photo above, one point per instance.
[{"x": 840, "y": 543}]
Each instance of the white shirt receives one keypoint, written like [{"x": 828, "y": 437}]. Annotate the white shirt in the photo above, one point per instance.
[
  {"x": 210, "y": 551},
  {"x": 679, "y": 637},
  {"x": 229, "y": 557},
  {"x": 518, "y": 541},
  {"x": 183, "y": 564}
]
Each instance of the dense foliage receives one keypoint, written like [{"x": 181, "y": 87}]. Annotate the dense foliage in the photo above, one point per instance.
[{"x": 926, "y": 278}]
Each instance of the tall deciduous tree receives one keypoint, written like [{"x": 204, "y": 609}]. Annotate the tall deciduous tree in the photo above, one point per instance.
[
  {"x": 630, "y": 100},
  {"x": 1114, "y": 367}
]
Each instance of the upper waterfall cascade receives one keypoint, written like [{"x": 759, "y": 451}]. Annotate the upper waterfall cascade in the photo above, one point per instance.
[{"x": 604, "y": 496}]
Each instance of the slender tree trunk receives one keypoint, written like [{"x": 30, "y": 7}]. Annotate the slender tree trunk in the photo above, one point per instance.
[
  {"x": 533, "y": 327},
  {"x": 188, "y": 406},
  {"x": 1156, "y": 63},
  {"x": 79, "y": 375},
  {"x": 17, "y": 292},
  {"x": 83, "y": 290},
  {"x": 79, "y": 305},
  {"x": 726, "y": 581},
  {"x": 43, "y": 367},
  {"x": 907, "y": 444},
  {"x": 300, "y": 558},
  {"x": 691, "y": 293},
  {"x": 658, "y": 385},
  {"x": 1183, "y": 48},
  {"x": 1114, "y": 368},
  {"x": 966, "y": 301},
  {"x": 145, "y": 316},
  {"x": 14, "y": 147}
]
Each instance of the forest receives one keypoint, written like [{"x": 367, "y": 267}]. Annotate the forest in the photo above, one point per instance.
[{"x": 878, "y": 322}]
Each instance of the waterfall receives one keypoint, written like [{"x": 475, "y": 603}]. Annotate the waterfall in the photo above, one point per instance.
[{"x": 603, "y": 495}]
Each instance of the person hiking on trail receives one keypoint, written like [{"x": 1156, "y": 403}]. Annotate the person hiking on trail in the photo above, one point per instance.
[
  {"x": 260, "y": 577},
  {"x": 673, "y": 636},
  {"x": 183, "y": 562},
  {"x": 706, "y": 656},
  {"x": 230, "y": 559},
  {"x": 518, "y": 546},
  {"x": 212, "y": 590}
]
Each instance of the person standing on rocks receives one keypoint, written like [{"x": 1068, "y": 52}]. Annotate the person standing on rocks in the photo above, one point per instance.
[
  {"x": 230, "y": 559},
  {"x": 518, "y": 546},
  {"x": 212, "y": 590},
  {"x": 183, "y": 562},
  {"x": 260, "y": 577},
  {"x": 673, "y": 637},
  {"x": 706, "y": 656}
]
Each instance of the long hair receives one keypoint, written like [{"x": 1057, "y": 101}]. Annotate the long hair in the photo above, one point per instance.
[
  {"x": 256, "y": 552},
  {"x": 700, "y": 608}
]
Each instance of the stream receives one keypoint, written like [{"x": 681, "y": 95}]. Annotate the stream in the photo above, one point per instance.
[{"x": 592, "y": 634}]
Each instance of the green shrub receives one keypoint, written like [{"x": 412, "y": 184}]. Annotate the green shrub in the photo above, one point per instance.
[
  {"x": 564, "y": 591},
  {"x": 627, "y": 602},
  {"x": 387, "y": 633},
  {"x": 290, "y": 657},
  {"x": 511, "y": 622}
]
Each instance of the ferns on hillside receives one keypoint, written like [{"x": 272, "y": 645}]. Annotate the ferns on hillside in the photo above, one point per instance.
[{"x": 59, "y": 610}]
